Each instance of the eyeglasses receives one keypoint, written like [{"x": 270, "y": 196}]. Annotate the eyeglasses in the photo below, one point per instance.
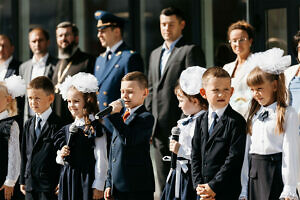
[{"x": 236, "y": 41}]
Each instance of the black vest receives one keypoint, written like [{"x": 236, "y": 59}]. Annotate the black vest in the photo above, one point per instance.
[{"x": 5, "y": 126}]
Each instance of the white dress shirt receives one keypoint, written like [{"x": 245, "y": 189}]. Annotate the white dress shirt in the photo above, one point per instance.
[
  {"x": 38, "y": 66},
  {"x": 115, "y": 47},
  {"x": 100, "y": 153},
  {"x": 14, "y": 156},
  {"x": 265, "y": 141},
  {"x": 4, "y": 67},
  {"x": 219, "y": 112},
  {"x": 186, "y": 135},
  {"x": 44, "y": 116}
]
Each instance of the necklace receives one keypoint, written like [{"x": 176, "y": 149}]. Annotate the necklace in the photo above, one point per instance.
[{"x": 61, "y": 75}]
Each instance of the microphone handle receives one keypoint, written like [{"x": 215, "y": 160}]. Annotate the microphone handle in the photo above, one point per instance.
[
  {"x": 104, "y": 112},
  {"x": 174, "y": 155},
  {"x": 65, "y": 159}
]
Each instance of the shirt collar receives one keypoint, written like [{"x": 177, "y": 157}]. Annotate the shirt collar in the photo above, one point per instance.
[
  {"x": 43, "y": 60},
  {"x": 45, "y": 115},
  {"x": 81, "y": 122},
  {"x": 219, "y": 112},
  {"x": 6, "y": 63},
  {"x": 132, "y": 110},
  {"x": 4, "y": 114},
  {"x": 271, "y": 107},
  {"x": 115, "y": 47},
  {"x": 172, "y": 45}
]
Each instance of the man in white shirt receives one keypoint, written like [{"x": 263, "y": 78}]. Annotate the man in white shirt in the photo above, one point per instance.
[
  {"x": 8, "y": 65},
  {"x": 41, "y": 64}
]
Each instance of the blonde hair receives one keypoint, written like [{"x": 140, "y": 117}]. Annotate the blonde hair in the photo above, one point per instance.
[
  {"x": 12, "y": 105},
  {"x": 257, "y": 77}
]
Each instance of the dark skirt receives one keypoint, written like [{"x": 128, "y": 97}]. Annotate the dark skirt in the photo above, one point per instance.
[
  {"x": 265, "y": 177},
  {"x": 186, "y": 190}
]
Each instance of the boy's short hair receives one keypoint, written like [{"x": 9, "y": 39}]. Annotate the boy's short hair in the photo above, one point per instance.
[
  {"x": 137, "y": 76},
  {"x": 216, "y": 72},
  {"x": 42, "y": 82}
]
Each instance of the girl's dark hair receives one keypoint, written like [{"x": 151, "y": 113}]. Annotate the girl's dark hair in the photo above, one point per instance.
[
  {"x": 90, "y": 107},
  {"x": 202, "y": 102},
  {"x": 296, "y": 40}
]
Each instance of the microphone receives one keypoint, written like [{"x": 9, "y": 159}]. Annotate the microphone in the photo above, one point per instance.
[
  {"x": 175, "y": 136},
  {"x": 107, "y": 110},
  {"x": 72, "y": 130}
]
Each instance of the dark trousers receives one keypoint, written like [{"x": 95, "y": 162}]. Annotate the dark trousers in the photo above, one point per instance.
[
  {"x": 142, "y": 195},
  {"x": 34, "y": 195},
  {"x": 265, "y": 177},
  {"x": 161, "y": 149}
]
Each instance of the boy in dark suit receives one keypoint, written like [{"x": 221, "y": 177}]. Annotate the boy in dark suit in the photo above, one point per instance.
[
  {"x": 130, "y": 173},
  {"x": 219, "y": 141},
  {"x": 39, "y": 172}
]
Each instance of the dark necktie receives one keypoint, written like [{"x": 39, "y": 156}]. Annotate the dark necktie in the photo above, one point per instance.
[
  {"x": 215, "y": 117},
  {"x": 263, "y": 115},
  {"x": 186, "y": 122},
  {"x": 38, "y": 128}
]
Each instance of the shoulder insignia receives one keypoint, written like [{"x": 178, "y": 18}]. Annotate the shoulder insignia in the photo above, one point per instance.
[
  {"x": 119, "y": 53},
  {"x": 103, "y": 54},
  {"x": 97, "y": 14},
  {"x": 131, "y": 51}
]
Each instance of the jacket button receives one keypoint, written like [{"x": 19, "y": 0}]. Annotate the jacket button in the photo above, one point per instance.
[
  {"x": 114, "y": 160},
  {"x": 105, "y": 93},
  {"x": 105, "y": 104}
]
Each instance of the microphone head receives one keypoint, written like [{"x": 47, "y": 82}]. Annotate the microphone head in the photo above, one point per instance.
[
  {"x": 122, "y": 102},
  {"x": 73, "y": 129},
  {"x": 175, "y": 130}
]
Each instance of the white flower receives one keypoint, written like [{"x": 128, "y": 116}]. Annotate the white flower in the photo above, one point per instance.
[
  {"x": 16, "y": 86},
  {"x": 191, "y": 80}
]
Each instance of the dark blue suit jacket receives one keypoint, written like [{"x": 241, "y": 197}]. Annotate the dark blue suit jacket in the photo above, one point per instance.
[
  {"x": 109, "y": 75},
  {"x": 130, "y": 168},
  {"x": 218, "y": 159}
]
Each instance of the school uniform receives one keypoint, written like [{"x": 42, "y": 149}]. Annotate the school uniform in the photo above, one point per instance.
[
  {"x": 9, "y": 152},
  {"x": 39, "y": 171},
  {"x": 179, "y": 181},
  {"x": 217, "y": 158},
  {"x": 271, "y": 163},
  {"x": 86, "y": 166},
  {"x": 130, "y": 173}
]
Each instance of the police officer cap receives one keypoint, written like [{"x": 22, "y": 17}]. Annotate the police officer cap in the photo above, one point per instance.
[{"x": 107, "y": 19}]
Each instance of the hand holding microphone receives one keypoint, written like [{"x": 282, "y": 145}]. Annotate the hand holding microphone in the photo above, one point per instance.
[
  {"x": 114, "y": 107},
  {"x": 65, "y": 151},
  {"x": 174, "y": 143}
]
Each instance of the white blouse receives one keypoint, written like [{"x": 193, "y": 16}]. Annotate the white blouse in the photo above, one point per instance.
[
  {"x": 100, "y": 153},
  {"x": 265, "y": 141},
  {"x": 186, "y": 135},
  {"x": 14, "y": 156}
]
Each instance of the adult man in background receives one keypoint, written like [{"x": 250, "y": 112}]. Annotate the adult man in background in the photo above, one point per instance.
[
  {"x": 115, "y": 62},
  {"x": 165, "y": 66},
  {"x": 41, "y": 63},
  {"x": 71, "y": 61}
]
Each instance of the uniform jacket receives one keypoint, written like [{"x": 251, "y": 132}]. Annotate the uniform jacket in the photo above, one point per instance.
[
  {"x": 39, "y": 170},
  {"x": 218, "y": 159},
  {"x": 162, "y": 101},
  {"x": 26, "y": 72},
  {"x": 130, "y": 168},
  {"x": 109, "y": 75}
]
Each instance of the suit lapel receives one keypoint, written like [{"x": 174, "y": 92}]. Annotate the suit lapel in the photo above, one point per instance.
[
  {"x": 133, "y": 115},
  {"x": 157, "y": 63},
  {"x": 204, "y": 128},
  {"x": 32, "y": 131},
  {"x": 29, "y": 71}
]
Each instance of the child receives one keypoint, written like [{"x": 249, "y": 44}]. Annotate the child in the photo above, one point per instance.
[
  {"x": 11, "y": 88},
  {"x": 130, "y": 173},
  {"x": 39, "y": 171},
  {"x": 219, "y": 140},
  {"x": 179, "y": 182},
  {"x": 84, "y": 154},
  {"x": 271, "y": 162}
]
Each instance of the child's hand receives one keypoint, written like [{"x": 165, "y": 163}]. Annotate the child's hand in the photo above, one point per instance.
[
  {"x": 117, "y": 106},
  {"x": 174, "y": 146},
  {"x": 107, "y": 194},
  {"x": 205, "y": 192},
  {"x": 56, "y": 191},
  {"x": 22, "y": 189},
  {"x": 97, "y": 194},
  {"x": 65, "y": 151},
  {"x": 8, "y": 192}
]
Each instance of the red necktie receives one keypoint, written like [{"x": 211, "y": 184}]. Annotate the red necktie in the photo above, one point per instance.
[{"x": 126, "y": 115}]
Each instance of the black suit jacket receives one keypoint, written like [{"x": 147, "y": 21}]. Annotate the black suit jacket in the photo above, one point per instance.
[
  {"x": 218, "y": 159},
  {"x": 13, "y": 68},
  {"x": 39, "y": 170},
  {"x": 81, "y": 62},
  {"x": 162, "y": 101},
  {"x": 130, "y": 167}
]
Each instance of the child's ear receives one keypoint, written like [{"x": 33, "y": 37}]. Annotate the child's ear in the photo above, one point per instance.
[
  {"x": 203, "y": 93},
  {"x": 146, "y": 92},
  {"x": 232, "y": 90},
  {"x": 51, "y": 98},
  {"x": 275, "y": 85}
]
